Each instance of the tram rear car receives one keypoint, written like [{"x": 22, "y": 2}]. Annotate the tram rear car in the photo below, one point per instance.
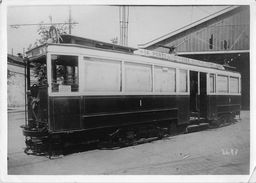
[{"x": 93, "y": 94}]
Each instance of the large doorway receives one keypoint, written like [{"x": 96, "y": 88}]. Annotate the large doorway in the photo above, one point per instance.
[
  {"x": 198, "y": 101},
  {"x": 194, "y": 94},
  {"x": 203, "y": 95}
]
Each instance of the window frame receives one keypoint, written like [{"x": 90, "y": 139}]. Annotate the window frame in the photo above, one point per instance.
[
  {"x": 217, "y": 85},
  {"x": 175, "y": 79},
  {"x": 187, "y": 81},
  {"x": 51, "y": 73},
  {"x": 228, "y": 75},
  {"x": 104, "y": 61},
  {"x": 214, "y": 83},
  {"x": 238, "y": 85},
  {"x": 152, "y": 65},
  {"x": 124, "y": 89}
]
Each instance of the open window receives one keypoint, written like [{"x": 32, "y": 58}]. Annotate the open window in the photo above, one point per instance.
[{"x": 64, "y": 73}]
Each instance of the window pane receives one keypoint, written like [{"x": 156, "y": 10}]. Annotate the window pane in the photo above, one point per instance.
[
  {"x": 183, "y": 81},
  {"x": 165, "y": 79},
  {"x": 212, "y": 83},
  {"x": 138, "y": 77},
  {"x": 64, "y": 73},
  {"x": 222, "y": 83},
  {"x": 100, "y": 75},
  {"x": 234, "y": 83}
]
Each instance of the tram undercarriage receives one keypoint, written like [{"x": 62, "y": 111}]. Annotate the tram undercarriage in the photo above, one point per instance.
[{"x": 41, "y": 142}]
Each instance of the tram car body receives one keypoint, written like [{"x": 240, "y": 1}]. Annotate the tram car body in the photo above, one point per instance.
[{"x": 92, "y": 93}]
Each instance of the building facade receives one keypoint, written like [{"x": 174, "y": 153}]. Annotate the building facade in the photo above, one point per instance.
[
  {"x": 15, "y": 81},
  {"x": 223, "y": 37}
]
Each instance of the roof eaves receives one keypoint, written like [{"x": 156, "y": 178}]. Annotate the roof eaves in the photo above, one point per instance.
[{"x": 209, "y": 17}]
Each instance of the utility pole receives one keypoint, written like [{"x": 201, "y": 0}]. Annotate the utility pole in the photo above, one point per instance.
[
  {"x": 124, "y": 19},
  {"x": 69, "y": 20}
]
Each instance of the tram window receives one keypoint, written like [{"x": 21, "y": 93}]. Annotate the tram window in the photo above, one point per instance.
[
  {"x": 234, "y": 83},
  {"x": 222, "y": 84},
  {"x": 138, "y": 77},
  {"x": 183, "y": 81},
  {"x": 64, "y": 73},
  {"x": 102, "y": 75},
  {"x": 212, "y": 83},
  {"x": 165, "y": 79}
]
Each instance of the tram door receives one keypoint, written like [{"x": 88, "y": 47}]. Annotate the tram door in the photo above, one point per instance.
[
  {"x": 194, "y": 92},
  {"x": 198, "y": 93},
  {"x": 203, "y": 95}
]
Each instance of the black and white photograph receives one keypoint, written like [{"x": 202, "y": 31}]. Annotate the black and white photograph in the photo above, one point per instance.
[{"x": 127, "y": 91}]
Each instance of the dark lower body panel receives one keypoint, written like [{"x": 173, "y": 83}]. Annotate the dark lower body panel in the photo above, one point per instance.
[
  {"x": 97, "y": 112},
  {"x": 219, "y": 105}
]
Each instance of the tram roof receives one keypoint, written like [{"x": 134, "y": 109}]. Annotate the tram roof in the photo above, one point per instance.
[
  {"x": 34, "y": 53},
  {"x": 71, "y": 39}
]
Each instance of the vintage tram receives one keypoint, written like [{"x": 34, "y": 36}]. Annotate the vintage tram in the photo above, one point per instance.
[{"x": 81, "y": 93}]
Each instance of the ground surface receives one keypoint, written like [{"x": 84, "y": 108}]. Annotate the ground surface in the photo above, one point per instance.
[{"x": 223, "y": 150}]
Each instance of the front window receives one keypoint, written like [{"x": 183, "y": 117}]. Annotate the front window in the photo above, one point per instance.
[{"x": 64, "y": 73}]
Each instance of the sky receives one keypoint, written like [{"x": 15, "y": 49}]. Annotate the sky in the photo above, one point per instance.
[{"x": 102, "y": 22}]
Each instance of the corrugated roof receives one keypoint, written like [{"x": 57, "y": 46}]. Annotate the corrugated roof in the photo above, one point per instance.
[{"x": 189, "y": 26}]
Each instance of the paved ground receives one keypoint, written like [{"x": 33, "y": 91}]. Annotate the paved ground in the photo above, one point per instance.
[{"x": 220, "y": 151}]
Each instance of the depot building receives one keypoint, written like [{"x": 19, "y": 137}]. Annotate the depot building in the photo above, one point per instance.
[{"x": 222, "y": 37}]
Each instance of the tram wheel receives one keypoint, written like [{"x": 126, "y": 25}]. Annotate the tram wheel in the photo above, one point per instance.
[
  {"x": 222, "y": 121},
  {"x": 231, "y": 118},
  {"x": 225, "y": 120}
]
